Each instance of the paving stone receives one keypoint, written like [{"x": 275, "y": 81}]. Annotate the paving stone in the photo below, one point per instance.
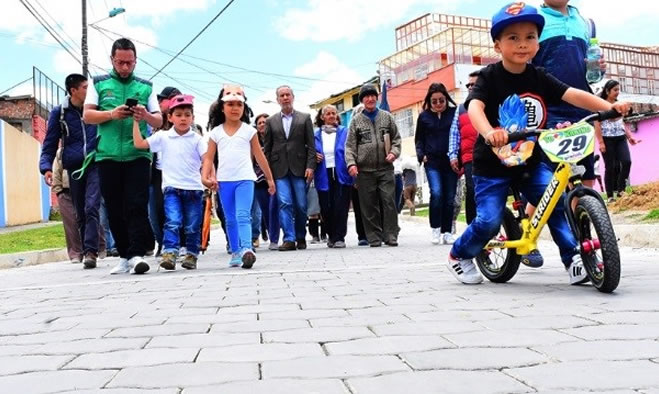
[
  {"x": 203, "y": 340},
  {"x": 261, "y": 308},
  {"x": 260, "y": 352},
  {"x": 120, "y": 323},
  {"x": 212, "y": 319},
  {"x": 361, "y": 321},
  {"x": 387, "y": 345},
  {"x": 425, "y": 328},
  {"x": 645, "y": 317},
  {"x": 259, "y": 326},
  {"x": 184, "y": 375},
  {"x": 11, "y": 350},
  {"x": 602, "y": 375},
  {"x": 339, "y": 367},
  {"x": 438, "y": 382},
  {"x": 320, "y": 335},
  {"x": 21, "y": 364},
  {"x": 602, "y": 350},
  {"x": 509, "y": 338},
  {"x": 474, "y": 358},
  {"x": 532, "y": 322},
  {"x": 91, "y": 345},
  {"x": 50, "y": 337},
  {"x": 621, "y": 331},
  {"x": 133, "y": 358},
  {"x": 275, "y": 386},
  {"x": 54, "y": 381},
  {"x": 304, "y": 314},
  {"x": 469, "y": 316},
  {"x": 124, "y": 391},
  {"x": 163, "y": 329}
]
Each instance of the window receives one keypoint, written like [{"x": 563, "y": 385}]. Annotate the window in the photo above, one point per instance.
[
  {"x": 339, "y": 106},
  {"x": 355, "y": 100},
  {"x": 405, "y": 123}
]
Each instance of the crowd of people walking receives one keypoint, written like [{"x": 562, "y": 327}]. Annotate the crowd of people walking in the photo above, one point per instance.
[{"x": 130, "y": 167}]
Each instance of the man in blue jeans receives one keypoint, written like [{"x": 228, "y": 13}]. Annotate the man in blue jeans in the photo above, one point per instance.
[{"x": 291, "y": 153}]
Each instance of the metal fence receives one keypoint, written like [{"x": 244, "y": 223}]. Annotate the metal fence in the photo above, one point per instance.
[{"x": 47, "y": 93}]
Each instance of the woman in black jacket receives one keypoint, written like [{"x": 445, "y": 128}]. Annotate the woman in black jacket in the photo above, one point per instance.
[{"x": 432, "y": 145}]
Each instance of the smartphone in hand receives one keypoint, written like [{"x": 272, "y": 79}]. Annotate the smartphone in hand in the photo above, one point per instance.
[{"x": 131, "y": 102}]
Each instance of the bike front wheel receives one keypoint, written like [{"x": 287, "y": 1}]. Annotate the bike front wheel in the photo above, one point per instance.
[
  {"x": 598, "y": 244},
  {"x": 500, "y": 265}
]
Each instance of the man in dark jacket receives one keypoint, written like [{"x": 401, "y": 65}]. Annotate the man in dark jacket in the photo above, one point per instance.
[
  {"x": 78, "y": 140},
  {"x": 372, "y": 145},
  {"x": 290, "y": 148}
]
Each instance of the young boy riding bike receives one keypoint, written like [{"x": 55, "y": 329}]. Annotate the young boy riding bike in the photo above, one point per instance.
[{"x": 515, "y": 31}]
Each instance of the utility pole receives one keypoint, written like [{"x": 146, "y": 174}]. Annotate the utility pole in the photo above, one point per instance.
[{"x": 83, "y": 46}]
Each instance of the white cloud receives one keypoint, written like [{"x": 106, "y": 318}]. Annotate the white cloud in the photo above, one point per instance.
[
  {"x": 349, "y": 20},
  {"x": 613, "y": 13},
  {"x": 16, "y": 19}
]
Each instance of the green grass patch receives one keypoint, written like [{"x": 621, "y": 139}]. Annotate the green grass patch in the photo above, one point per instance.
[
  {"x": 653, "y": 215},
  {"x": 49, "y": 237}
]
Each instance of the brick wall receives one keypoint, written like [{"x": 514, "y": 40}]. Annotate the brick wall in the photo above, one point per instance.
[
  {"x": 17, "y": 108},
  {"x": 39, "y": 128}
]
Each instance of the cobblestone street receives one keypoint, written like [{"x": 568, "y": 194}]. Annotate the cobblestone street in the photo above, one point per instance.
[{"x": 358, "y": 320}]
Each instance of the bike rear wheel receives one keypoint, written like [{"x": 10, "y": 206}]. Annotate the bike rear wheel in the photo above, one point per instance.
[
  {"x": 594, "y": 227},
  {"x": 500, "y": 265}
]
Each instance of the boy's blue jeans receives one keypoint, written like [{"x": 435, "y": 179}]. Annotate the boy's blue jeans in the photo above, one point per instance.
[
  {"x": 491, "y": 195},
  {"x": 182, "y": 209},
  {"x": 237, "y": 197}
]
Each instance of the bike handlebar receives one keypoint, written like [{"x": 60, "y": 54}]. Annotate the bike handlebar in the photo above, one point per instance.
[{"x": 597, "y": 117}]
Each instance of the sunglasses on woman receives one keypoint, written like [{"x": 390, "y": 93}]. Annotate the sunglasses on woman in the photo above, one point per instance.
[{"x": 438, "y": 101}]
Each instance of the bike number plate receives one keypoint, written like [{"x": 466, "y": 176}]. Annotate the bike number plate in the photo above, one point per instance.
[{"x": 570, "y": 144}]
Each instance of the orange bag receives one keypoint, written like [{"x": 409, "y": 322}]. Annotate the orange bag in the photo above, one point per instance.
[{"x": 206, "y": 227}]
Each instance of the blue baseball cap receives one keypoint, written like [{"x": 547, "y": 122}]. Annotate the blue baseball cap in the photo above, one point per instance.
[{"x": 515, "y": 13}]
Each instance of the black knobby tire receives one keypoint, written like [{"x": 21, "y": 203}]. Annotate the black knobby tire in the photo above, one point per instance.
[
  {"x": 603, "y": 265},
  {"x": 500, "y": 265}
]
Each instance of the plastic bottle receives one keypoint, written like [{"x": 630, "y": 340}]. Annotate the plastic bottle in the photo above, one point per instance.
[{"x": 593, "y": 56}]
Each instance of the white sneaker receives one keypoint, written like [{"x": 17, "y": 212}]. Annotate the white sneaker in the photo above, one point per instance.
[
  {"x": 122, "y": 268},
  {"x": 436, "y": 236},
  {"x": 138, "y": 265},
  {"x": 577, "y": 271},
  {"x": 448, "y": 239},
  {"x": 464, "y": 270}
]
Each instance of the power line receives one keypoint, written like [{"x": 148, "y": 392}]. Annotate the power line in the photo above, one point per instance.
[
  {"x": 194, "y": 38},
  {"x": 51, "y": 31},
  {"x": 190, "y": 88},
  {"x": 14, "y": 86},
  {"x": 56, "y": 23}
]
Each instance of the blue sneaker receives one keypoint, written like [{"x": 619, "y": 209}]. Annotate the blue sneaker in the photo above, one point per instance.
[
  {"x": 363, "y": 242},
  {"x": 533, "y": 259},
  {"x": 236, "y": 260}
]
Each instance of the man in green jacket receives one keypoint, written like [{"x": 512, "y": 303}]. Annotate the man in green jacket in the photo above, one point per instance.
[{"x": 113, "y": 101}]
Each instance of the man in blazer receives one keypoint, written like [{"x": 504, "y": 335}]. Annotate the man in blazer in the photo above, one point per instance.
[{"x": 290, "y": 149}]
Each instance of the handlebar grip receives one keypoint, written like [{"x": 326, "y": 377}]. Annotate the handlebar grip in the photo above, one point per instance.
[
  {"x": 520, "y": 135},
  {"x": 606, "y": 115}
]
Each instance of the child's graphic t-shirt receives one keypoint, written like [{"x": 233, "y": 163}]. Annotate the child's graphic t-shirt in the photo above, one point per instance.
[{"x": 536, "y": 89}]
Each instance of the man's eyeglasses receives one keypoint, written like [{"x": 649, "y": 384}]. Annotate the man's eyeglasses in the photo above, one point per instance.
[
  {"x": 123, "y": 62},
  {"x": 438, "y": 101},
  {"x": 470, "y": 85}
]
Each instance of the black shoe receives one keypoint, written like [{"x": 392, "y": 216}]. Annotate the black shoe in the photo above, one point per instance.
[
  {"x": 375, "y": 244},
  {"x": 392, "y": 242},
  {"x": 287, "y": 246},
  {"x": 301, "y": 244},
  {"x": 90, "y": 261}
]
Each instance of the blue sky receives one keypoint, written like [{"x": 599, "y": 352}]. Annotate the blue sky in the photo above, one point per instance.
[{"x": 334, "y": 44}]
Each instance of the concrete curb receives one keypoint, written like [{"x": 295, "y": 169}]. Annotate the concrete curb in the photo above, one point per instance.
[
  {"x": 23, "y": 259},
  {"x": 629, "y": 235}
]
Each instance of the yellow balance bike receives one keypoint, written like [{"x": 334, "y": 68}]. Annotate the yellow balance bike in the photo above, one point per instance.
[{"x": 589, "y": 220}]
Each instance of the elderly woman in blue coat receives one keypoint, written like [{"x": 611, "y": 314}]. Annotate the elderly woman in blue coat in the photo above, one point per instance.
[{"x": 332, "y": 180}]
